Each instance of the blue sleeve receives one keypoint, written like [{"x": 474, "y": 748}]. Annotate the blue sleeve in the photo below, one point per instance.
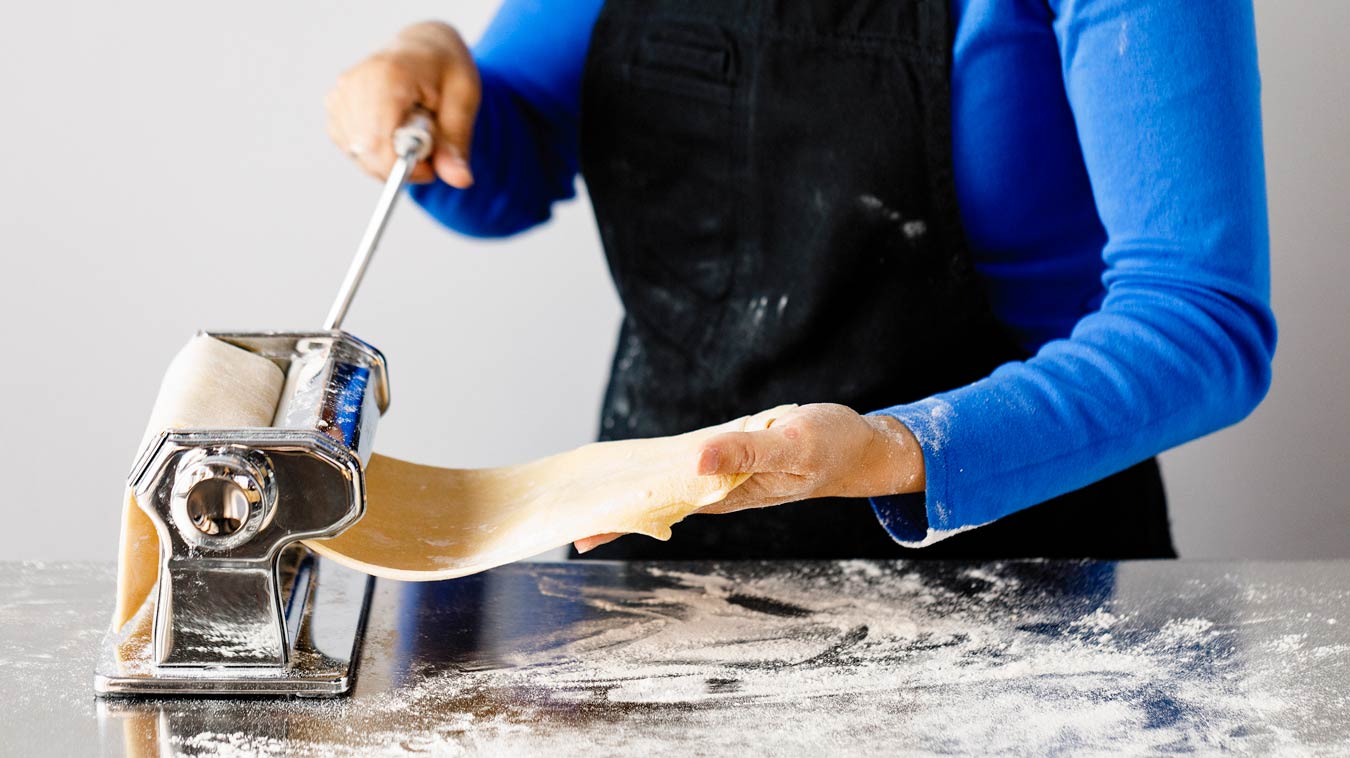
[
  {"x": 524, "y": 150},
  {"x": 1166, "y": 99}
]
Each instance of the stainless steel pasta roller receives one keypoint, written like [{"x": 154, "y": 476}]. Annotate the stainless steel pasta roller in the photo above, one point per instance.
[{"x": 241, "y": 606}]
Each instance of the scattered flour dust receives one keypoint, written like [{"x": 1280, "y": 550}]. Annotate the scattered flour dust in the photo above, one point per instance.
[
  {"x": 852, "y": 657},
  {"x": 844, "y": 658}
]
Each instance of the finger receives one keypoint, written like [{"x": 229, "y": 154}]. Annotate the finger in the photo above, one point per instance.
[
  {"x": 742, "y": 498},
  {"x": 761, "y": 491},
  {"x": 422, "y": 173},
  {"x": 357, "y": 132},
  {"x": 461, "y": 91},
  {"x": 588, "y": 544},
  {"x": 451, "y": 166},
  {"x": 340, "y": 132},
  {"x": 341, "y": 137},
  {"x": 374, "y": 144},
  {"x": 747, "y": 452},
  {"x": 383, "y": 94}
]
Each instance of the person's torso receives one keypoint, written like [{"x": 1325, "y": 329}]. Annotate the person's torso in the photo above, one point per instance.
[
  {"x": 1025, "y": 200},
  {"x": 774, "y": 186}
]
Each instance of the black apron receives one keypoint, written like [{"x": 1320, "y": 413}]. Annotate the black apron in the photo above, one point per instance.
[{"x": 773, "y": 185}]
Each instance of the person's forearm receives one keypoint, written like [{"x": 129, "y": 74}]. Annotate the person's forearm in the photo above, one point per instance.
[{"x": 1131, "y": 383}]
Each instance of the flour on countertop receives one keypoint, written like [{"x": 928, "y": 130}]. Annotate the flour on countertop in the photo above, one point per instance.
[
  {"x": 854, "y": 657},
  {"x": 866, "y": 649}
]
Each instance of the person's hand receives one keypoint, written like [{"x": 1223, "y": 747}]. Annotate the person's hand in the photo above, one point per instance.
[
  {"x": 427, "y": 65},
  {"x": 821, "y": 450}
]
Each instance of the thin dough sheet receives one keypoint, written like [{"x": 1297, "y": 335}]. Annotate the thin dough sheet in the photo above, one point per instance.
[{"x": 424, "y": 523}]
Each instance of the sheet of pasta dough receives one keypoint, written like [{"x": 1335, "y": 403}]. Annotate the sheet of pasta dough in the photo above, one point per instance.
[{"x": 426, "y": 523}]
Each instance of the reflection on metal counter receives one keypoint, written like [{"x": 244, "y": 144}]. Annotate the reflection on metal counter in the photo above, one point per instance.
[{"x": 852, "y": 657}]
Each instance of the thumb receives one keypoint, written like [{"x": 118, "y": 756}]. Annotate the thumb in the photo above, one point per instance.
[
  {"x": 460, "y": 96},
  {"x": 451, "y": 166},
  {"x": 746, "y": 453}
]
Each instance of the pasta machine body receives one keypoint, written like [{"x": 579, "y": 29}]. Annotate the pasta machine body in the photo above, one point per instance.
[{"x": 241, "y": 605}]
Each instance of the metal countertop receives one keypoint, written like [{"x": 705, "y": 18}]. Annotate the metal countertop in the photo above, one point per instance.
[{"x": 854, "y": 657}]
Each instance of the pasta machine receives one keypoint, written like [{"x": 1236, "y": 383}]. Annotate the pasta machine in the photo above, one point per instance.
[{"x": 241, "y": 606}]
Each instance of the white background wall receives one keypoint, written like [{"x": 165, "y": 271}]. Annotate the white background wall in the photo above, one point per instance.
[{"x": 163, "y": 168}]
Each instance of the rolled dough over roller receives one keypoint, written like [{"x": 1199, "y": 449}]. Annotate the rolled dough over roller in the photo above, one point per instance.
[
  {"x": 425, "y": 523},
  {"x": 209, "y": 385}
]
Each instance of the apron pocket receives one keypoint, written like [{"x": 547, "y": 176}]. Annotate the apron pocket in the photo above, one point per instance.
[{"x": 691, "y": 59}]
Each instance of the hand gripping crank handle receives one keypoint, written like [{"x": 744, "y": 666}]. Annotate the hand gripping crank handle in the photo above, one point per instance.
[{"x": 412, "y": 144}]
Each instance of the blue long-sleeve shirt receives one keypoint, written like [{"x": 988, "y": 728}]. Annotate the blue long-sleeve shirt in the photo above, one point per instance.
[{"x": 1108, "y": 165}]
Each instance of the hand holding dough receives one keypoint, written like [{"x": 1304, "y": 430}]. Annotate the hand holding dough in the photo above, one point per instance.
[{"x": 425, "y": 523}]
